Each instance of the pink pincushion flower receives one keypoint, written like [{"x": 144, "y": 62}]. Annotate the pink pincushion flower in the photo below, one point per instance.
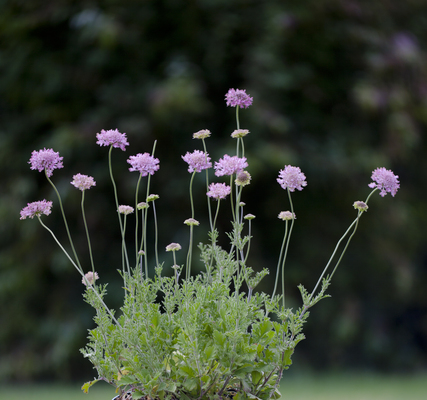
[
  {"x": 144, "y": 164},
  {"x": 291, "y": 178},
  {"x": 90, "y": 278},
  {"x": 218, "y": 190},
  {"x": 36, "y": 209},
  {"x": 126, "y": 210},
  {"x": 385, "y": 181},
  {"x": 238, "y": 98},
  {"x": 230, "y": 165},
  {"x": 83, "y": 182},
  {"x": 45, "y": 159},
  {"x": 112, "y": 138},
  {"x": 197, "y": 161}
]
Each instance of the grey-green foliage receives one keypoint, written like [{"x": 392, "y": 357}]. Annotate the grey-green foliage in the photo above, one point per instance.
[{"x": 196, "y": 338}]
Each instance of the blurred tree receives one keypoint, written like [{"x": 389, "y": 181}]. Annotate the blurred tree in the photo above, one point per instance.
[{"x": 339, "y": 89}]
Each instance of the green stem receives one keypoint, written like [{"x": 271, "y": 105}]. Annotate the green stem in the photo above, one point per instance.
[
  {"x": 87, "y": 232},
  {"x": 136, "y": 220},
  {"x": 65, "y": 220}
]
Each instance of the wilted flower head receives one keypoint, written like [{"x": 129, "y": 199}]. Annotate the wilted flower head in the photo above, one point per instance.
[
  {"x": 173, "y": 247},
  {"x": 112, "y": 138},
  {"x": 239, "y": 133},
  {"x": 230, "y": 165},
  {"x": 286, "y": 216},
  {"x": 45, "y": 159},
  {"x": 243, "y": 178},
  {"x": 191, "y": 222},
  {"x": 385, "y": 181},
  {"x": 360, "y": 205},
  {"x": 125, "y": 210},
  {"x": 144, "y": 164},
  {"x": 197, "y": 161},
  {"x": 202, "y": 134},
  {"x": 218, "y": 190},
  {"x": 291, "y": 178},
  {"x": 36, "y": 209},
  {"x": 83, "y": 182},
  {"x": 90, "y": 278},
  {"x": 238, "y": 97}
]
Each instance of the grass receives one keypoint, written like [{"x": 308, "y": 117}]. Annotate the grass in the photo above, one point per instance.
[{"x": 316, "y": 387}]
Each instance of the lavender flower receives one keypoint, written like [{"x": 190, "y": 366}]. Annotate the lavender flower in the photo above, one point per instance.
[
  {"x": 144, "y": 164},
  {"x": 90, "y": 278},
  {"x": 36, "y": 209},
  {"x": 112, "y": 138},
  {"x": 385, "y": 181},
  {"x": 197, "y": 161},
  {"x": 218, "y": 190},
  {"x": 238, "y": 98},
  {"x": 45, "y": 159},
  {"x": 230, "y": 165},
  {"x": 83, "y": 182},
  {"x": 125, "y": 210},
  {"x": 202, "y": 134},
  {"x": 291, "y": 178}
]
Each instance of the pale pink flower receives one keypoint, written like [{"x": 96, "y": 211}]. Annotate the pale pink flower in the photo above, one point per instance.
[
  {"x": 83, "y": 182},
  {"x": 112, "y": 138},
  {"x": 144, "y": 164},
  {"x": 36, "y": 209},
  {"x": 45, "y": 160}
]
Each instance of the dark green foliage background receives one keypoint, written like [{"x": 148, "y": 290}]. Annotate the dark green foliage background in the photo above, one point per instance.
[{"x": 339, "y": 87}]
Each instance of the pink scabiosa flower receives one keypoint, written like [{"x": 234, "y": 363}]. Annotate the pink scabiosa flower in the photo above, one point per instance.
[
  {"x": 36, "y": 209},
  {"x": 230, "y": 165},
  {"x": 202, "y": 134},
  {"x": 218, "y": 190},
  {"x": 197, "y": 161},
  {"x": 45, "y": 159},
  {"x": 83, "y": 182},
  {"x": 238, "y": 98},
  {"x": 125, "y": 210},
  {"x": 291, "y": 178},
  {"x": 173, "y": 247},
  {"x": 239, "y": 133},
  {"x": 286, "y": 216},
  {"x": 90, "y": 278},
  {"x": 112, "y": 138},
  {"x": 385, "y": 181},
  {"x": 144, "y": 164}
]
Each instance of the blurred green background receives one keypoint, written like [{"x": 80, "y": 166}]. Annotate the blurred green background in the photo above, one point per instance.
[{"x": 339, "y": 88}]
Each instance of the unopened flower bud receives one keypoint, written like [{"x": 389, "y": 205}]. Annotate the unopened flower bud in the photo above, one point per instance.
[
  {"x": 191, "y": 221},
  {"x": 286, "y": 215},
  {"x": 173, "y": 247},
  {"x": 360, "y": 205},
  {"x": 243, "y": 178},
  {"x": 152, "y": 197}
]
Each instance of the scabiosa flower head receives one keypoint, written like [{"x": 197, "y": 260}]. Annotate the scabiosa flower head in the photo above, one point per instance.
[
  {"x": 202, "y": 134},
  {"x": 142, "y": 205},
  {"x": 125, "y": 210},
  {"x": 243, "y": 178},
  {"x": 286, "y": 216},
  {"x": 230, "y": 165},
  {"x": 173, "y": 247},
  {"x": 249, "y": 216},
  {"x": 83, "y": 182},
  {"x": 36, "y": 209},
  {"x": 291, "y": 178},
  {"x": 144, "y": 164},
  {"x": 197, "y": 161},
  {"x": 385, "y": 180},
  {"x": 191, "y": 222},
  {"x": 45, "y": 159},
  {"x": 112, "y": 138},
  {"x": 218, "y": 190},
  {"x": 237, "y": 97},
  {"x": 239, "y": 133},
  {"x": 90, "y": 278},
  {"x": 152, "y": 197},
  {"x": 360, "y": 205}
]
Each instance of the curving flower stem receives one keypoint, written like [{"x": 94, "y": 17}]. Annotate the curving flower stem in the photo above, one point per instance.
[
  {"x": 87, "y": 232},
  {"x": 137, "y": 220},
  {"x": 124, "y": 251},
  {"x": 190, "y": 245},
  {"x": 353, "y": 225},
  {"x": 207, "y": 188},
  {"x": 156, "y": 235},
  {"x": 65, "y": 220},
  {"x": 280, "y": 258},
  {"x": 78, "y": 268}
]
